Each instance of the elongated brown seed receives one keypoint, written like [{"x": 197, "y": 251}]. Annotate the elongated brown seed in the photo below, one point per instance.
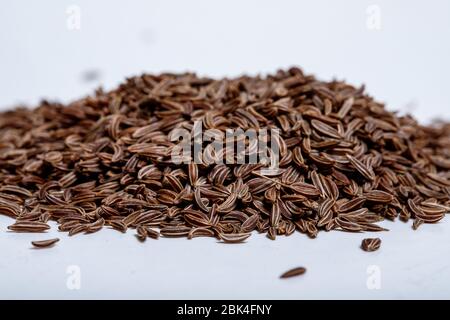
[
  {"x": 417, "y": 223},
  {"x": 379, "y": 196},
  {"x": 293, "y": 272},
  {"x": 234, "y": 237},
  {"x": 45, "y": 243},
  {"x": 365, "y": 171}
]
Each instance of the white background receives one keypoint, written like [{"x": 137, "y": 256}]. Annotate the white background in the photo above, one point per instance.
[{"x": 405, "y": 64}]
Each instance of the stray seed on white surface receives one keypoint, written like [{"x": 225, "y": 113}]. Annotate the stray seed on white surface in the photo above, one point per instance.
[
  {"x": 293, "y": 272},
  {"x": 371, "y": 244}
]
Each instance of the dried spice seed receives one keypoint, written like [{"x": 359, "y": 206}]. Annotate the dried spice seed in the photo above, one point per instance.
[
  {"x": 371, "y": 244},
  {"x": 78, "y": 229},
  {"x": 141, "y": 233},
  {"x": 175, "y": 231},
  {"x": 293, "y": 272},
  {"x": 416, "y": 224},
  {"x": 366, "y": 171},
  {"x": 29, "y": 226},
  {"x": 200, "y": 232},
  {"x": 234, "y": 237},
  {"x": 379, "y": 196},
  {"x": 45, "y": 243}
]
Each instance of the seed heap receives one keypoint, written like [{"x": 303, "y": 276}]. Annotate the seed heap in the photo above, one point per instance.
[{"x": 345, "y": 161}]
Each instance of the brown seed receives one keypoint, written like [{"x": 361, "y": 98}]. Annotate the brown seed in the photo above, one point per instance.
[
  {"x": 141, "y": 233},
  {"x": 304, "y": 189},
  {"x": 96, "y": 226},
  {"x": 78, "y": 229},
  {"x": 365, "y": 171},
  {"x": 193, "y": 173},
  {"x": 293, "y": 272},
  {"x": 371, "y": 244},
  {"x": 346, "y": 107},
  {"x": 416, "y": 224},
  {"x": 325, "y": 129},
  {"x": 175, "y": 231},
  {"x": 378, "y": 196},
  {"x": 45, "y": 243},
  {"x": 325, "y": 212},
  {"x": 347, "y": 224},
  {"x": 250, "y": 224},
  {"x": 29, "y": 226},
  {"x": 352, "y": 204},
  {"x": 345, "y": 162},
  {"x": 200, "y": 232},
  {"x": 118, "y": 225}
]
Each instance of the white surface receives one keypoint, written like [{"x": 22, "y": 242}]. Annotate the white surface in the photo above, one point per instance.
[{"x": 404, "y": 64}]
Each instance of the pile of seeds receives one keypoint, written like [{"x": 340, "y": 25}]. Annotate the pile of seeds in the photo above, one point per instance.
[{"x": 345, "y": 162}]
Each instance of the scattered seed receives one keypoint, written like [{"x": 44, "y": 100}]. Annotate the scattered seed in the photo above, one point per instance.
[
  {"x": 45, "y": 243},
  {"x": 293, "y": 272},
  {"x": 371, "y": 244}
]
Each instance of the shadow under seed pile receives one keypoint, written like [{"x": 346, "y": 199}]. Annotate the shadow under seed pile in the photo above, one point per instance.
[{"x": 345, "y": 161}]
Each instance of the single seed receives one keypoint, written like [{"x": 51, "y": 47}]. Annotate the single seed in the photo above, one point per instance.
[
  {"x": 293, "y": 272},
  {"x": 44, "y": 243},
  {"x": 371, "y": 244}
]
